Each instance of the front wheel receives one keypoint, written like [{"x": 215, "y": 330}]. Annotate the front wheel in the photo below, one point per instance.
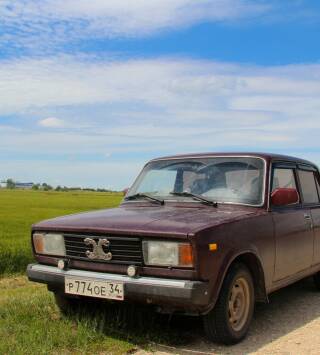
[{"x": 229, "y": 321}]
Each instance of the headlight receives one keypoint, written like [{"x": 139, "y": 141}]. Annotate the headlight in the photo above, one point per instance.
[
  {"x": 49, "y": 244},
  {"x": 167, "y": 254}
]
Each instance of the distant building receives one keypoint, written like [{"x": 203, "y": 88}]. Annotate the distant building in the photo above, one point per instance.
[
  {"x": 3, "y": 184},
  {"x": 24, "y": 185}
]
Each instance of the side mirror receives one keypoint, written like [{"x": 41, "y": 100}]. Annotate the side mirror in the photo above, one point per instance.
[
  {"x": 284, "y": 197},
  {"x": 124, "y": 191}
]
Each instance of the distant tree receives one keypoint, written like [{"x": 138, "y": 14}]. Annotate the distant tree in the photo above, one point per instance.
[
  {"x": 58, "y": 188},
  {"x": 36, "y": 187},
  {"x": 75, "y": 188},
  {"x": 10, "y": 184},
  {"x": 104, "y": 190},
  {"x": 46, "y": 187}
]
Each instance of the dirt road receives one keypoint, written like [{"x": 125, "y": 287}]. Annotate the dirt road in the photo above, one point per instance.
[{"x": 289, "y": 324}]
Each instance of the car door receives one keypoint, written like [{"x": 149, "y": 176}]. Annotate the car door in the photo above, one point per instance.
[
  {"x": 309, "y": 182},
  {"x": 315, "y": 212},
  {"x": 293, "y": 227}
]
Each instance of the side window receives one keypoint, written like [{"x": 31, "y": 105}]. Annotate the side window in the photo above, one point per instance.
[
  {"x": 283, "y": 178},
  {"x": 308, "y": 186},
  {"x": 318, "y": 186}
]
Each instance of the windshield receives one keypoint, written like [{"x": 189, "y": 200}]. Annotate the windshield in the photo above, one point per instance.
[{"x": 221, "y": 179}]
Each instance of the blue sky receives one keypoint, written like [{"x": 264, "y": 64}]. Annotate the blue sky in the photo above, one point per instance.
[{"x": 90, "y": 90}]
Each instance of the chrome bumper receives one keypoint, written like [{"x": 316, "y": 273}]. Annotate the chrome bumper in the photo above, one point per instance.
[{"x": 189, "y": 295}]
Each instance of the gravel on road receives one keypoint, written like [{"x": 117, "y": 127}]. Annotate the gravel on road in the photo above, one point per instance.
[{"x": 288, "y": 325}]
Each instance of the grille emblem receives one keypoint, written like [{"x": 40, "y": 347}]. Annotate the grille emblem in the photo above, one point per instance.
[{"x": 98, "y": 252}]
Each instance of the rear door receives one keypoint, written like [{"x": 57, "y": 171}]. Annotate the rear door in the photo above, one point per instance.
[
  {"x": 309, "y": 184},
  {"x": 293, "y": 227}
]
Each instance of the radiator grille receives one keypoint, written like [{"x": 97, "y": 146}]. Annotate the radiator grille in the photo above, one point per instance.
[{"x": 125, "y": 250}]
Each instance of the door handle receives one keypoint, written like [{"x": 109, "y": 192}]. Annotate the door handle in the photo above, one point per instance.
[{"x": 308, "y": 220}]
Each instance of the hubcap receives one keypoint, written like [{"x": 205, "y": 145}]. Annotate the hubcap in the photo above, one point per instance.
[{"x": 239, "y": 304}]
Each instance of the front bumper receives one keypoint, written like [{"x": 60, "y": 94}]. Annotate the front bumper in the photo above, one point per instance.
[{"x": 171, "y": 294}]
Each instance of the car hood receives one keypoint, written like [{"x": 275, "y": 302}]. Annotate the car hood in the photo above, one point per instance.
[{"x": 146, "y": 220}]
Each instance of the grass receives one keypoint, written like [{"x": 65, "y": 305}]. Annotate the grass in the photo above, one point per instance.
[
  {"x": 20, "y": 209},
  {"x": 30, "y": 322}
]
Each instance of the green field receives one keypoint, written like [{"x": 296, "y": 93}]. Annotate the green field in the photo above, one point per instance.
[
  {"x": 20, "y": 209},
  {"x": 30, "y": 322}
]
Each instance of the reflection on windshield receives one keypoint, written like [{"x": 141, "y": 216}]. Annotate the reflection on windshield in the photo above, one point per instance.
[{"x": 233, "y": 180}]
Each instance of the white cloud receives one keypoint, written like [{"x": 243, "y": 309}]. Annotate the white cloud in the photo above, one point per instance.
[
  {"x": 127, "y": 17},
  {"x": 147, "y": 108},
  {"x": 43, "y": 23},
  {"x": 178, "y": 86},
  {"x": 52, "y": 122}
]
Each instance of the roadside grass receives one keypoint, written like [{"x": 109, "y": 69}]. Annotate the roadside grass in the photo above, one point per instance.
[
  {"x": 20, "y": 209},
  {"x": 30, "y": 323}
]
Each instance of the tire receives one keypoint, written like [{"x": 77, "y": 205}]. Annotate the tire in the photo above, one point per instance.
[
  {"x": 67, "y": 305},
  {"x": 229, "y": 321},
  {"x": 316, "y": 279}
]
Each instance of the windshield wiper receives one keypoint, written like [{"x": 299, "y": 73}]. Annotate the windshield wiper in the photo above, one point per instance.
[
  {"x": 145, "y": 196},
  {"x": 195, "y": 197}
]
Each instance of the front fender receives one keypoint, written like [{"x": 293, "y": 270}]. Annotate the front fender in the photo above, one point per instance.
[{"x": 252, "y": 260}]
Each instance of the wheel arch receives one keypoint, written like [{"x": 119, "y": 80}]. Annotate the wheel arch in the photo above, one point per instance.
[{"x": 252, "y": 261}]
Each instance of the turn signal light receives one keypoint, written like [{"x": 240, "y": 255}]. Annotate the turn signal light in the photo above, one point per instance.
[
  {"x": 213, "y": 246},
  {"x": 38, "y": 242},
  {"x": 185, "y": 255}
]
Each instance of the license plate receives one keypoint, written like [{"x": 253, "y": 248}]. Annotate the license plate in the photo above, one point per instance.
[{"x": 94, "y": 288}]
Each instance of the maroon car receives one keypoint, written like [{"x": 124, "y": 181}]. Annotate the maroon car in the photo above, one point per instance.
[{"x": 202, "y": 234}]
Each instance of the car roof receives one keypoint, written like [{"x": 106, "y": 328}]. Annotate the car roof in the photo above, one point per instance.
[{"x": 266, "y": 156}]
